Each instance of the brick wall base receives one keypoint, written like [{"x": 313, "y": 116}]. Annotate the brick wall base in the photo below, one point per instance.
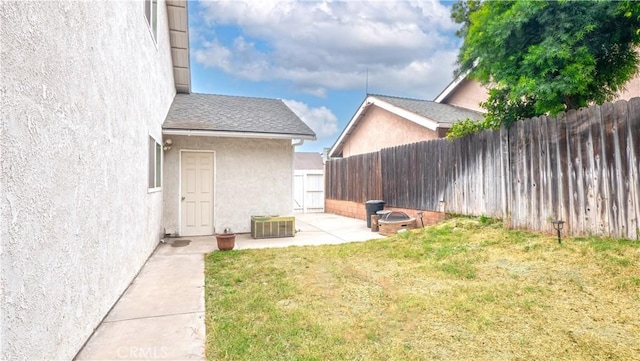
[
  {"x": 358, "y": 211},
  {"x": 345, "y": 208}
]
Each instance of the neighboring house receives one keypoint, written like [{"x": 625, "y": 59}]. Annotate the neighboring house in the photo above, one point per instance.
[
  {"x": 632, "y": 88},
  {"x": 469, "y": 93},
  {"x": 230, "y": 158},
  {"x": 464, "y": 92},
  {"x": 385, "y": 121},
  {"x": 89, "y": 182},
  {"x": 308, "y": 182}
]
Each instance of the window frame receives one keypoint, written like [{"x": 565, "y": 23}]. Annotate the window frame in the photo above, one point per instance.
[{"x": 154, "y": 166}]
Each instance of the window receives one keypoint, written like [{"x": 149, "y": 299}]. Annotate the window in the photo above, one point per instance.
[
  {"x": 151, "y": 13},
  {"x": 155, "y": 164}
]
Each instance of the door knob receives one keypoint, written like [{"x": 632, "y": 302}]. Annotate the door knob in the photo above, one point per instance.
[{"x": 183, "y": 198}]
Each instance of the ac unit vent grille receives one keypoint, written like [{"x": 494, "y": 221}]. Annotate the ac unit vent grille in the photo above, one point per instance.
[{"x": 272, "y": 227}]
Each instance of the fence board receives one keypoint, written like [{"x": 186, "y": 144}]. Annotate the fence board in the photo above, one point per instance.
[
  {"x": 505, "y": 186},
  {"x": 609, "y": 168},
  {"x": 622, "y": 167},
  {"x": 571, "y": 172},
  {"x": 546, "y": 201},
  {"x": 634, "y": 162},
  {"x": 554, "y": 176},
  {"x": 594, "y": 207},
  {"x": 517, "y": 173},
  {"x": 584, "y": 168},
  {"x": 533, "y": 177}
]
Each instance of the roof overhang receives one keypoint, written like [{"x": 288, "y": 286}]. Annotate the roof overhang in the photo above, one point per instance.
[
  {"x": 177, "y": 14},
  {"x": 451, "y": 87},
  {"x": 455, "y": 83},
  {"x": 231, "y": 134},
  {"x": 370, "y": 101}
]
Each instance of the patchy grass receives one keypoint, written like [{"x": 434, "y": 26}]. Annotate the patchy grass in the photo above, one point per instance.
[{"x": 465, "y": 289}]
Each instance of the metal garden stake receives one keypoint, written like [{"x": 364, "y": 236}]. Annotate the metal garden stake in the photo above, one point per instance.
[{"x": 557, "y": 225}]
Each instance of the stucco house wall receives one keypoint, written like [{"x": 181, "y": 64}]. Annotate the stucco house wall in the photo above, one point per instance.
[
  {"x": 468, "y": 94},
  {"x": 251, "y": 177},
  {"x": 632, "y": 88},
  {"x": 381, "y": 129},
  {"x": 83, "y": 86}
]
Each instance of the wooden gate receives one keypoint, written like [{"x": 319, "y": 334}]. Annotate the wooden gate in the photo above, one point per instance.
[{"x": 308, "y": 191}]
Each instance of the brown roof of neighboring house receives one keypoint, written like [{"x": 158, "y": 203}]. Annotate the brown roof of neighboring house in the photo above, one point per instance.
[
  {"x": 234, "y": 116},
  {"x": 307, "y": 160}
]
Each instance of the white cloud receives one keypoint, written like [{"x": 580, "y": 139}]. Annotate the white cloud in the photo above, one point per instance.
[
  {"x": 319, "y": 45},
  {"x": 321, "y": 120}
]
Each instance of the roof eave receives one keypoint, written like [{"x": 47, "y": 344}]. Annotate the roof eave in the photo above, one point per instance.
[
  {"x": 409, "y": 115},
  {"x": 337, "y": 146},
  {"x": 235, "y": 134},
  {"x": 178, "y": 19},
  {"x": 455, "y": 83}
]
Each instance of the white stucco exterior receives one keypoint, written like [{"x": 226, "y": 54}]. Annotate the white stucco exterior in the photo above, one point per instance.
[
  {"x": 251, "y": 177},
  {"x": 83, "y": 85}
]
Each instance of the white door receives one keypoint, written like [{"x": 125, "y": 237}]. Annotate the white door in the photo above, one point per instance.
[
  {"x": 308, "y": 191},
  {"x": 196, "y": 206},
  {"x": 314, "y": 189}
]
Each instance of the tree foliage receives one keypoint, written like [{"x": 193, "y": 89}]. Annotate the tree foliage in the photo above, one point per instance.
[
  {"x": 543, "y": 57},
  {"x": 461, "y": 13}
]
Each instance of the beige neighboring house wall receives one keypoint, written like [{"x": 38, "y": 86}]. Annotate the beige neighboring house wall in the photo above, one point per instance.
[
  {"x": 468, "y": 94},
  {"x": 251, "y": 177},
  {"x": 379, "y": 129},
  {"x": 83, "y": 86},
  {"x": 632, "y": 88}
]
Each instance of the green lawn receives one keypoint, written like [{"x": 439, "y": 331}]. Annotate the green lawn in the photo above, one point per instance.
[{"x": 466, "y": 289}]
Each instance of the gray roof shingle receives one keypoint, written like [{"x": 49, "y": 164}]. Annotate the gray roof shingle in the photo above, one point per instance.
[
  {"x": 444, "y": 114},
  {"x": 225, "y": 113}
]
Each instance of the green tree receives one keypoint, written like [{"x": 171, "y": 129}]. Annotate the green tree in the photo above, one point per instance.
[
  {"x": 461, "y": 13},
  {"x": 543, "y": 57}
]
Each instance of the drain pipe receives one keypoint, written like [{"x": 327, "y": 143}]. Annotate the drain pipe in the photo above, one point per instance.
[{"x": 299, "y": 142}]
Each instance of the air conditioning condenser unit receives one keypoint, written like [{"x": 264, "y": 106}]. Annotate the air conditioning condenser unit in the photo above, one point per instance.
[{"x": 273, "y": 226}]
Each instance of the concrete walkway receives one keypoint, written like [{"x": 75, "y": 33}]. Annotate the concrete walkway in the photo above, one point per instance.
[{"x": 161, "y": 315}]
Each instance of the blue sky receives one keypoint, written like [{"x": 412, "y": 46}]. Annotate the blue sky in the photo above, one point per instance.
[{"x": 315, "y": 55}]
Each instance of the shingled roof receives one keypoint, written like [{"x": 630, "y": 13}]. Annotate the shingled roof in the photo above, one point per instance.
[
  {"x": 444, "y": 114},
  {"x": 223, "y": 114}
]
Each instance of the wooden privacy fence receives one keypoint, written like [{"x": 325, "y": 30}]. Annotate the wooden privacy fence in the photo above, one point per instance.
[
  {"x": 581, "y": 167},
  {"x": 356, "y": 178}
]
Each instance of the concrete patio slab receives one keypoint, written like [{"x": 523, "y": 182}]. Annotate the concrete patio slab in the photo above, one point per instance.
[
  {"x": 186, "y": 294},
  {"x": 161, "y": 314},
  {"x": 170, "y": 337}
]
